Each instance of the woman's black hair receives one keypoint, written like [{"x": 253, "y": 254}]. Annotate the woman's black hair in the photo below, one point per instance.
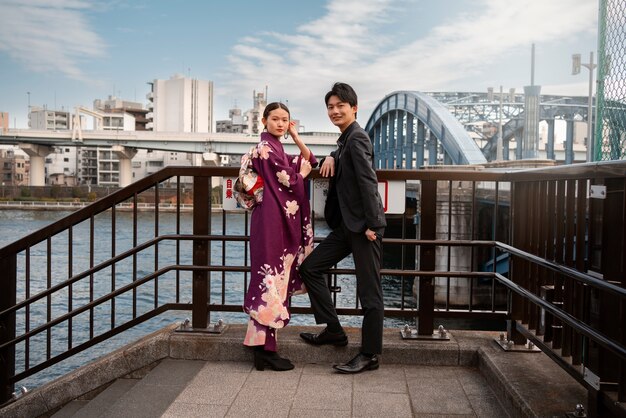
[{"x": 274, "y": 106}]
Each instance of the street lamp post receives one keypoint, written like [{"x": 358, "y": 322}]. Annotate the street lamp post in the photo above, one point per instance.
[{"x": 576, "y": 64}]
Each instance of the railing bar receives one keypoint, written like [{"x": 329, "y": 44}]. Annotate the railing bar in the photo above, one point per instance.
[
  {"x": 472, "y": 233},
  {"x": 496, "y": 215},
  {"x": 535, "y": 201},
  {"x": 156, "y": 246},
  {"x": 565, "y": 317},
  {"x": 585, "y": 278},
  {"x": 549, "y": 335},
  {"x": 27, "y": 309},
  {"x": 177, "y": 241},
  {"x": 91, "y": 261},
  {"x": 570, "y": 202},
  {"x": 223, "y": 257},
  {"x": 134, "y": 254},
  {"x": 449, "y": 249},
  {"x": 49, "y": 297},
  {"x": 403, "y": 235},
  {"x": 580, "y": 264},
  {"x": 558, "y": 258},
  {"x": 539, "y": 245},
  {"x": 70, "y": 287},
  {"x": 113, "y": 265}
]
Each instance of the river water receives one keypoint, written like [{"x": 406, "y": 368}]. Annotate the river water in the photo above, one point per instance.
[{"x": 15, "y": 224}]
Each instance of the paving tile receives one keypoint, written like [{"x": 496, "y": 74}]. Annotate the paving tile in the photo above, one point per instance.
[
  {"x": 318, "y": 368},
  {"x": 261, "y": 403},
  {"x": 431, "y": 372},
  {"x": 318, "y": 413},
  {"x": 106, "y": 398},
  {"x": 226, "y": 367},
  {"x": 173, "y": 372},
  {"x": 70, "y": 409},
  {"x": 286, "y": 380},
  {"x": 213, "y": 389},
  {"x": 381, "y": 405},
  {"x": 438, "y": 396},
  {"x": 191, "y": 410},
  {"x": 207, "y": 378},
  {"x": 390, "y": 379},
  {"x": 144, "y": 401},
  {"x": 324, "y": 392}
]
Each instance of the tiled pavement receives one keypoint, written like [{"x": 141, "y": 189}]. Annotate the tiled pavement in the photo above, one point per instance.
[{"x": 194, "y": 388}]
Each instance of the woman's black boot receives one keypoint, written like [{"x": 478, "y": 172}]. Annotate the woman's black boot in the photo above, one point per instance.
[{"x": 264, "y": 358}]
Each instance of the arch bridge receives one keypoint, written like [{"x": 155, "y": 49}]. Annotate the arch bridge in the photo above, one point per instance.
[{"x": 408, "y": 126}]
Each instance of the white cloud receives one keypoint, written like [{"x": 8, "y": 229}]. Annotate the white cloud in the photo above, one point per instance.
[
  {"x": 49, "y": 35},
  {"x": 352, "y": 43}
]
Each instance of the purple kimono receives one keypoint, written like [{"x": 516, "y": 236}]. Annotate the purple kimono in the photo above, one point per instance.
[{"x": 281, "y": 236}]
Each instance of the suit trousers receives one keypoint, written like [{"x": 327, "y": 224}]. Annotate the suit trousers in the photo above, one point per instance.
[{"x": 367, "y": 257}]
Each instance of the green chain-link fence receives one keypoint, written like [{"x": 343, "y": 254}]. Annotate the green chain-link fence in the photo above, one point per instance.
[{"x": 610, "y": 134}]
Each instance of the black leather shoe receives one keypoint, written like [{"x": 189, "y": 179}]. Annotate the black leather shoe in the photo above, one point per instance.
[
  {"x": 358, "y": 364},
  {"x": 339, "y": 339}
]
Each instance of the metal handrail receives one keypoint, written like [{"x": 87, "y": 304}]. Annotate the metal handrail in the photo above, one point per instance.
[
  {"x": 565, "y": 317},
  {"x": 8, "y": 253}
]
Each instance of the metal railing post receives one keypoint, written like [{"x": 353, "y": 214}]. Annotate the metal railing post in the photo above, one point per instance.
[
  {"x": 428, "y": 229},
  {"x": 8, "y": 267},
  {"x": 201, "y": 208}
]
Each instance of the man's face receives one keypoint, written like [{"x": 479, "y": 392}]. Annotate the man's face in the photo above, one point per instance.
[{"x": 341, "y": 114}]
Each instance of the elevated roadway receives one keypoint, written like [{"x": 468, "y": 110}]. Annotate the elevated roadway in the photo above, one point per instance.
[{"x": 38, "y": 144}]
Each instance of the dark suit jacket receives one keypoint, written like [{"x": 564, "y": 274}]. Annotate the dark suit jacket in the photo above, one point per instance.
[{"x": 353, "y": 192}]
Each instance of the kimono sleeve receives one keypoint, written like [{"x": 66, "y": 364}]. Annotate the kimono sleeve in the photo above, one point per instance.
[{"x": 279, "y": 171}]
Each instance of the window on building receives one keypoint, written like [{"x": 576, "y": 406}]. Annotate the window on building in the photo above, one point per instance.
[{"x": 66, "y": 160}]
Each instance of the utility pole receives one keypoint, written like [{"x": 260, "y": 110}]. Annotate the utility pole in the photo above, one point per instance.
[{"x": 576, "y": 64}]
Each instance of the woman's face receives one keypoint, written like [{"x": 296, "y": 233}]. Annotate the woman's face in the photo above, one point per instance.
[{"x": 277, "y": 122}]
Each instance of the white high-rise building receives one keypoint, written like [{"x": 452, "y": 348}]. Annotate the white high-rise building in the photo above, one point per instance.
[{"x": 181, "y": 104}]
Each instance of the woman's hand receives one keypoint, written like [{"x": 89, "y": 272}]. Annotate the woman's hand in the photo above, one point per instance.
[
  {"x": 292, "y": 130},
  {"x": 305, "y": 168}
]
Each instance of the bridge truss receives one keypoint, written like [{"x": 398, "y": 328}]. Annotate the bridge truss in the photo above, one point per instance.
[{"x": 443, "y": 125}]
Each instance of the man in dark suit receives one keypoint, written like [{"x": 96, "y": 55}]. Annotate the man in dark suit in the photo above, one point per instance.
[{"x": 355, "y": 213}]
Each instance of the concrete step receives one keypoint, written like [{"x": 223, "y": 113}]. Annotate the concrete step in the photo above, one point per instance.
[{"x": 101, "y": 404}]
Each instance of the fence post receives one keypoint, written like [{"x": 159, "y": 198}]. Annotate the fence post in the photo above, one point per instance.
[
  {"x": 428, "y": 229},
  {"x": 8, "y": 267},
  {"x": 201, "y": 216}
]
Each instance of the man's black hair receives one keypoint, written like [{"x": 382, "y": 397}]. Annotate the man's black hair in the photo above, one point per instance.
[{"x": 344, "y": 92}]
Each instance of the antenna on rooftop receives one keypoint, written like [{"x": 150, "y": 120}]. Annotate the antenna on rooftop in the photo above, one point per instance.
[{"x": 532, "y": 65}]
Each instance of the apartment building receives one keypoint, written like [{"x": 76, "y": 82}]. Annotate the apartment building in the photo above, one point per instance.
[
  {"x": 181, "y": 104},
  {"x": 14, "y": 167},
  {"x": 49, "y": 120}
]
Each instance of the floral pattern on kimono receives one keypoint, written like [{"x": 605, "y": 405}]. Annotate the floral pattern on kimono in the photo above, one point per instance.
[{"x": 281, "y": 236}]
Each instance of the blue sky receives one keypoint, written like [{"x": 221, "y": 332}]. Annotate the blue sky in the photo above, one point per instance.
[{"x": 69, "y": 52}]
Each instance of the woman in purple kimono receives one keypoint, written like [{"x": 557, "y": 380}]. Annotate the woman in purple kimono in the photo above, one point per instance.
[{"x": 281, "y": 236}]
